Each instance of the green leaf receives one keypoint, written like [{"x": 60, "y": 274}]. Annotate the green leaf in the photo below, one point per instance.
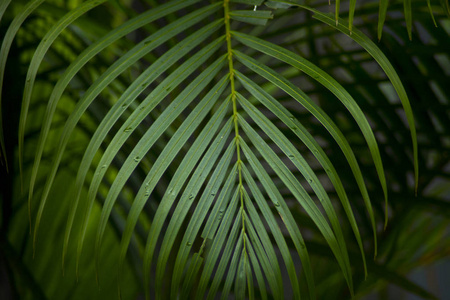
[
  {"x": 250, "y": 2},
  {"x": 382, "y": 16},
  {"x": 255, "y": 17},
  {"x": 408, "y": 17},
  {"x": 4, "y": 52},
  {"x": 351, "y": 14},
  {"x": 431, "y": 12}
]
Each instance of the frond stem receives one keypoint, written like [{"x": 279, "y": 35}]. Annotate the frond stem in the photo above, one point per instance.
[{"x": 233, "y": 99}]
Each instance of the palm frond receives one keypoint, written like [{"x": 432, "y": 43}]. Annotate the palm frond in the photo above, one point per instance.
[{"x": 207, "y": 161}]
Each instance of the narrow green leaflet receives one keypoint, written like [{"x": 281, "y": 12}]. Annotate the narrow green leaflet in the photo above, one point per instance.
[
  {"x": 255, "y": 17},
  {"x": 408, "y": 17},
  {"x": 351, "y": 14},
  {"x": 431, "y": 12},
  {"x": 382, "y": 16},
  {"x": 250, "y": 2},
  {"x": 337, "y": 6},
  {"x": 3, "y": 7},
  {"x": 445, "y": 6},
  {"x": 4, "y": 51}
]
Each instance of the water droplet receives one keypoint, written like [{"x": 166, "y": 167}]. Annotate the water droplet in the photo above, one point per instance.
[
  {"x": 147, "y": 42},
  {"x": 291, "y": 156},
  {"x": 191, "y": 197},
  {"x": 124, "y": 105},
  {"x": 294, "y": 128},
  {"x": 277, "y": 204},
  {"x": 104, "y": 166},
  {"x": 128, "y": 129},
  {"x": 213, "y": 194},
  {"x": 292, "y": 118},
  {"x": 137, "y": 158},
  {"x": 144, "y": 85},
  {"x": 188, "y": 244},
  {"x": 316, "y": 152},
  {"x": 221, "y": 211},
  {"x": 147, "y": 193},
  {"x": 310, "y": 180}
]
